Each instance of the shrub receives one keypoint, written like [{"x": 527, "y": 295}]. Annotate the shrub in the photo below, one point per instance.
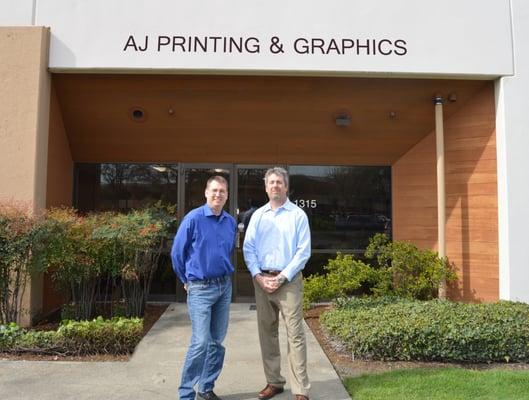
[
  {"x": 397, "y": 269},
  {"x": 137, "y": 239},
  {"x": 404, "y": 270},
  {"x": 66, "y": 247},
  {"x": 344, "y": 275},
  {"x": 81, "y": 252},
  {"x": 17, "y": 230},
  {"x": 432, "y": 330},
  {"x": 99, "y": 336}
]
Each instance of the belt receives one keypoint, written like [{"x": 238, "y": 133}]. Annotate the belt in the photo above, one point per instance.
[
  {"x": 271, "y": 272},
  {"x": 211, "y": 280}
]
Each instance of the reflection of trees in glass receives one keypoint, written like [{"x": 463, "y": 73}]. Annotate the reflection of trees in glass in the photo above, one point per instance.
[
  {"x": 251, "y": 190},
  {"x": 127, "y": 186},
  {"x": 366, "y": 188}
]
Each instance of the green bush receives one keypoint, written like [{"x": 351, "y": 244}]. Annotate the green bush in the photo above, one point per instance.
[
  {"x": 17, "y": 232},
  {"x": 110, "y": 253},
  {"x": 344, "y": 275},
  {"x": 99, "y": 336},
  {"x": 397, "y": 269},
  {"x": 432, "y": 330},
  {"x": 138, "y": 239},
  {"x": 355, "y": 303},
  {"x": 106, "y": 309},
  {"x": 404, "y": 270},
  {"x": 65, "y": 247}
]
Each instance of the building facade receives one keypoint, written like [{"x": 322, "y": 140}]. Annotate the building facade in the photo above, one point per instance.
[{"x": 114, "y": 104}]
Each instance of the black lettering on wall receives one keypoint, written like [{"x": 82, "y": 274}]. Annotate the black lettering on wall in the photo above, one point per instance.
[
  {"x": 401, "y": 46},
  {"x": 131, "y": 42}
]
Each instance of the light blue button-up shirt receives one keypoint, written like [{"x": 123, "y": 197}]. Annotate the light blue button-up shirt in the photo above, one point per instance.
[{"x": 277, "y": 240}]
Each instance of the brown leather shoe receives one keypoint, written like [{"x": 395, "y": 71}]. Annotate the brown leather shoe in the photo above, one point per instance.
[
  {"x": 269, "y": 391},
  {"x": 301, "y": 397}
]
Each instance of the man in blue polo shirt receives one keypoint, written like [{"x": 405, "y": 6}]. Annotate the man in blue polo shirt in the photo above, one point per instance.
[{"x": 201, "y": 256}]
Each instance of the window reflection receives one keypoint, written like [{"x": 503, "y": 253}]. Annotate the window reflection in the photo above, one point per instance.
[
  {"x": 122, "y": 187},
  {"x": 345, "y": 205}
]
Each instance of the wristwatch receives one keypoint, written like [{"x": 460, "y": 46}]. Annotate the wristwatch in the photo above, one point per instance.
[{"x": 281, "y": 279}]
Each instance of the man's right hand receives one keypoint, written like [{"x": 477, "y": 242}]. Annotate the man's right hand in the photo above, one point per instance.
[{"x": 267, "y": 283}]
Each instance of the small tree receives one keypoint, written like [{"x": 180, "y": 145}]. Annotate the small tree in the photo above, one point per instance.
[
  {"x": 138, "y": 239},
  {"x": 17, "y": 230},
  {"x": 67, "y": 248}
]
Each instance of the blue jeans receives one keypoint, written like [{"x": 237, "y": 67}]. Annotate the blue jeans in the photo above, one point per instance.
[{"x": 208, "y": 304}]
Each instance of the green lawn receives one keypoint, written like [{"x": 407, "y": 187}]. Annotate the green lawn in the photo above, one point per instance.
[{"x": 440, "y": 384}]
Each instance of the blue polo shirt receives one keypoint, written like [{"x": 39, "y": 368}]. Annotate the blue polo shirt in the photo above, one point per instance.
[{"x": 203, "y": 245}]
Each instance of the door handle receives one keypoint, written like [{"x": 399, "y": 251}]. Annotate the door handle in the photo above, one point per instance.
[{"x": 240, "y": 230}]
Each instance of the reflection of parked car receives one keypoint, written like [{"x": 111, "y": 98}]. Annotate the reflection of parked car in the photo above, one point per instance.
[{"x": 369, "y": 222}]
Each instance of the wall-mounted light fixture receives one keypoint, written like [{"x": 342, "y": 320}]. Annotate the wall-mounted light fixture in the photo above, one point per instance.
[{"x": 342, "y": 118}]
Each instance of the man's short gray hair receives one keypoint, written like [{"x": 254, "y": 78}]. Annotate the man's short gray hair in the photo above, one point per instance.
[{"x": 277, "y": 171}]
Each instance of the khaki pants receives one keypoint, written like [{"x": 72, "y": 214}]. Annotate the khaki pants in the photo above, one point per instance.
[{"x": 289, "y": 300}]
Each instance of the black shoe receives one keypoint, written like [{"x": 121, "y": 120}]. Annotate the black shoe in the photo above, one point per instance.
[{"x": 209, "y": 396}]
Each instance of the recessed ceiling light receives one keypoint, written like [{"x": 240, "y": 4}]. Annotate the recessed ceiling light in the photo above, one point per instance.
[{"x": 138, "y": 114}]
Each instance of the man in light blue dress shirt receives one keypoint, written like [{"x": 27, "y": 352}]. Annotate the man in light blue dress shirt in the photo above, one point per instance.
[
  {"x": 201, "y": 256},
  {"x": 276, "y": 249}
]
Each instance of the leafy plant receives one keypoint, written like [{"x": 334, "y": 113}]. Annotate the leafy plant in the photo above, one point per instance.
[
  {"x": 17, "y": 230},
  {"x": 66, "y": 247},
  {"x": 343, "y": 275},
  {"x": 404, "y": 270},
  {"x": 137, "y": 239},
  {"x": 99, "y": 336},
  {"x": 432, "y": 330}
]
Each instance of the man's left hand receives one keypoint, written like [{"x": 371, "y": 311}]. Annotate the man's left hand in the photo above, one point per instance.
[{"x": 277, "y": 281}]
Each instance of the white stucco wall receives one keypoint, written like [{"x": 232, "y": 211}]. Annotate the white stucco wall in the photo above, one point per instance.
[
  {"x": 470, "y": 38},
  {"x": 513, "y": 163},
  {"x": 17, "y": 12}
]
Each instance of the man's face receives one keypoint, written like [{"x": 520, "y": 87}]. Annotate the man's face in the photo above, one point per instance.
[
  {"x": 216, "y": 195},
  {"x": 276, "y": 188}
]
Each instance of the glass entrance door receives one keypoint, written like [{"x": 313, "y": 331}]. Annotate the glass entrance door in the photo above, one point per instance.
[
  {"x": 246, "y": 194},
  {"x": 250, "y": 196},
  {"x": 194, "y": 178}
]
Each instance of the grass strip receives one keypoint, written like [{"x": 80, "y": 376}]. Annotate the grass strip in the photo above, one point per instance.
[{"x": 440, "y": 384}]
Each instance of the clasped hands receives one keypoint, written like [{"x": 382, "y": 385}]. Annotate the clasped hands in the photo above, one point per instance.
[{"x": 270, "y": 283}]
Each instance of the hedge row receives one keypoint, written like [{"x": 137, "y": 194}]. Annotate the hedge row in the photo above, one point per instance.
[
  {"x": 99, "y": 336},
  {"x": 431, "y": 330}
]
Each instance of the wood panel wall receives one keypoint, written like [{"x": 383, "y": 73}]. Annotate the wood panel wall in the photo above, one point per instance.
[
  {"x": 471, "y": 194},
  {"x": 59, "y": 186}
]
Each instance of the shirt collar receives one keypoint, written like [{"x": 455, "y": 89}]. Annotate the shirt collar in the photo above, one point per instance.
[
  {"x": 208, "y": 213},
  {"x": 287, "y": 205}
]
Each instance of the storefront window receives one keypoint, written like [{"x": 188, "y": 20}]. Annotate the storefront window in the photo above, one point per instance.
[
  {"x": 123, "y": 187},
  {"x": 345, "y": 205}
]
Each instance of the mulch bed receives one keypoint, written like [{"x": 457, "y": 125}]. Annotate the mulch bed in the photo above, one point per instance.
[{"x": 152, "y": 313}]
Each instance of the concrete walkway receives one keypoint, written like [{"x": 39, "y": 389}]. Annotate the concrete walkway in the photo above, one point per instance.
[{"x": 154, "y": 370}]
